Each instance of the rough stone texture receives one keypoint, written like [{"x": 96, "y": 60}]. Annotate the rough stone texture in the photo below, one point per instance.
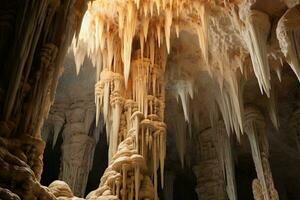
[
  {"x": 210, "y": 183},
  {"x": 228, "y": 53},
  {"x": 34, "y": 36},
  {"x": 73, "y": 116}
]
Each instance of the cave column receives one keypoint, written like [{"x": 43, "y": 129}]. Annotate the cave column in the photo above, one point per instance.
[
  {"x": 223, "y": 142},
  {"x": 134, "y": 117},
  {"x": 78, "y": 146},
  {"x": 255, "y": 128},
  {"x": 208, "y": 171}
]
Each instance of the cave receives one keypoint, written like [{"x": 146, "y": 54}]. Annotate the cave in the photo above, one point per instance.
[{"x": 150, "y": 99}]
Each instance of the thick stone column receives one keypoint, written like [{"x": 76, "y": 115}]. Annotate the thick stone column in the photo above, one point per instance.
[
  {"x": 255, "y": 128},
  {"x": 78, "y": 146},
  {"x": 210, "y": 180},
  {"x": 135, "y": 125}
]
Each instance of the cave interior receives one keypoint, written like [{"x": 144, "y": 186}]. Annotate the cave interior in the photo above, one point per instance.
[{"x": 150, "y": 99}]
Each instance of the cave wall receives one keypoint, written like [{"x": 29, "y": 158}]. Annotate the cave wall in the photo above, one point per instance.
[{"x": 34, "y": 39}]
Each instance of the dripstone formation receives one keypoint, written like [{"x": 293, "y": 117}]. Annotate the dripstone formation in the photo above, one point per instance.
[{"x": 215, "y": 80}]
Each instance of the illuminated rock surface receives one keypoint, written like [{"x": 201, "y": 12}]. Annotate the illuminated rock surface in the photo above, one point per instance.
[{"x": 177, "y": 86}]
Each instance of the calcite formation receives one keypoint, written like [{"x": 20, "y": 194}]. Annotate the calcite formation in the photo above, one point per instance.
[
  {"x": 35, "y": 36},
  {"x": 255, "y": 129},
  {"x": 78, "y": 147},
  {"x": 127, "y": 40},
  {"x": 132, "y": 44},
  {"x": 208, "y": 168},
  {"x": 74, "y": 121}
]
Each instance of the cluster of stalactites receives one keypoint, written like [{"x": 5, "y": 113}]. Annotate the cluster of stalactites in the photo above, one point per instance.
[
  {"x": 255, "y": 34},
  {"x": 130, "y": 90},
  {"x": 111, "y": 29},
  {"x": 111, "y": 24}
]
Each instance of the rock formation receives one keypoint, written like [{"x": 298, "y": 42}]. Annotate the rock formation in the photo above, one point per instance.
[
  {"x": 210, "y": 182},
  {"x": 214, "y": 70}
]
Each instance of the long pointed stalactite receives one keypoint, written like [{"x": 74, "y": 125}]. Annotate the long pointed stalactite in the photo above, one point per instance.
[
  {"x": 226, "y": 159},
  {"x": 263, "y": 186},
  {"x": 288, "y": 32}
]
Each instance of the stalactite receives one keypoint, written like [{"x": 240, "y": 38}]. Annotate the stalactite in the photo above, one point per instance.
[
  {"x": 184, "y": 90},
  {"x": 179, "y": 126},
  {"x": 202, "y": 31},
  {"x": 255, "y": 33},
  {"x": 167, "y": 27},
  {"x": 272, "y": 108},
  {"x": 225, "y": 153},
  {"x": 288, "y": 33},
  {"x": 228, "y": 98},
  {"x": 254, "y": 128},
  {"x": 128, "y": 40}
]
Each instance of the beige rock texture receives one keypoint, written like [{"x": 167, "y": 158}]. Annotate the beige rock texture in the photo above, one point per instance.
[{"x": 217, "y": 77}]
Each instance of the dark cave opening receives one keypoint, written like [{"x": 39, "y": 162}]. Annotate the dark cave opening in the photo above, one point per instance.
[
  {"x": 100, "y": 163},
  {"x": 245, "y": 173},
  {"x": 51, "y": 159},
  {"x": 184, "y": 185}
]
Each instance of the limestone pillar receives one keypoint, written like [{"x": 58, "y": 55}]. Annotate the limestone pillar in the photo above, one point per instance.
[
  {"x": 255, "y": 128},
  {"x": 208, "y": 171},
  {"x": 225, "y": 155},
  {"x": 78, "y": 146},
  {"x": 134, "y": 118}
]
